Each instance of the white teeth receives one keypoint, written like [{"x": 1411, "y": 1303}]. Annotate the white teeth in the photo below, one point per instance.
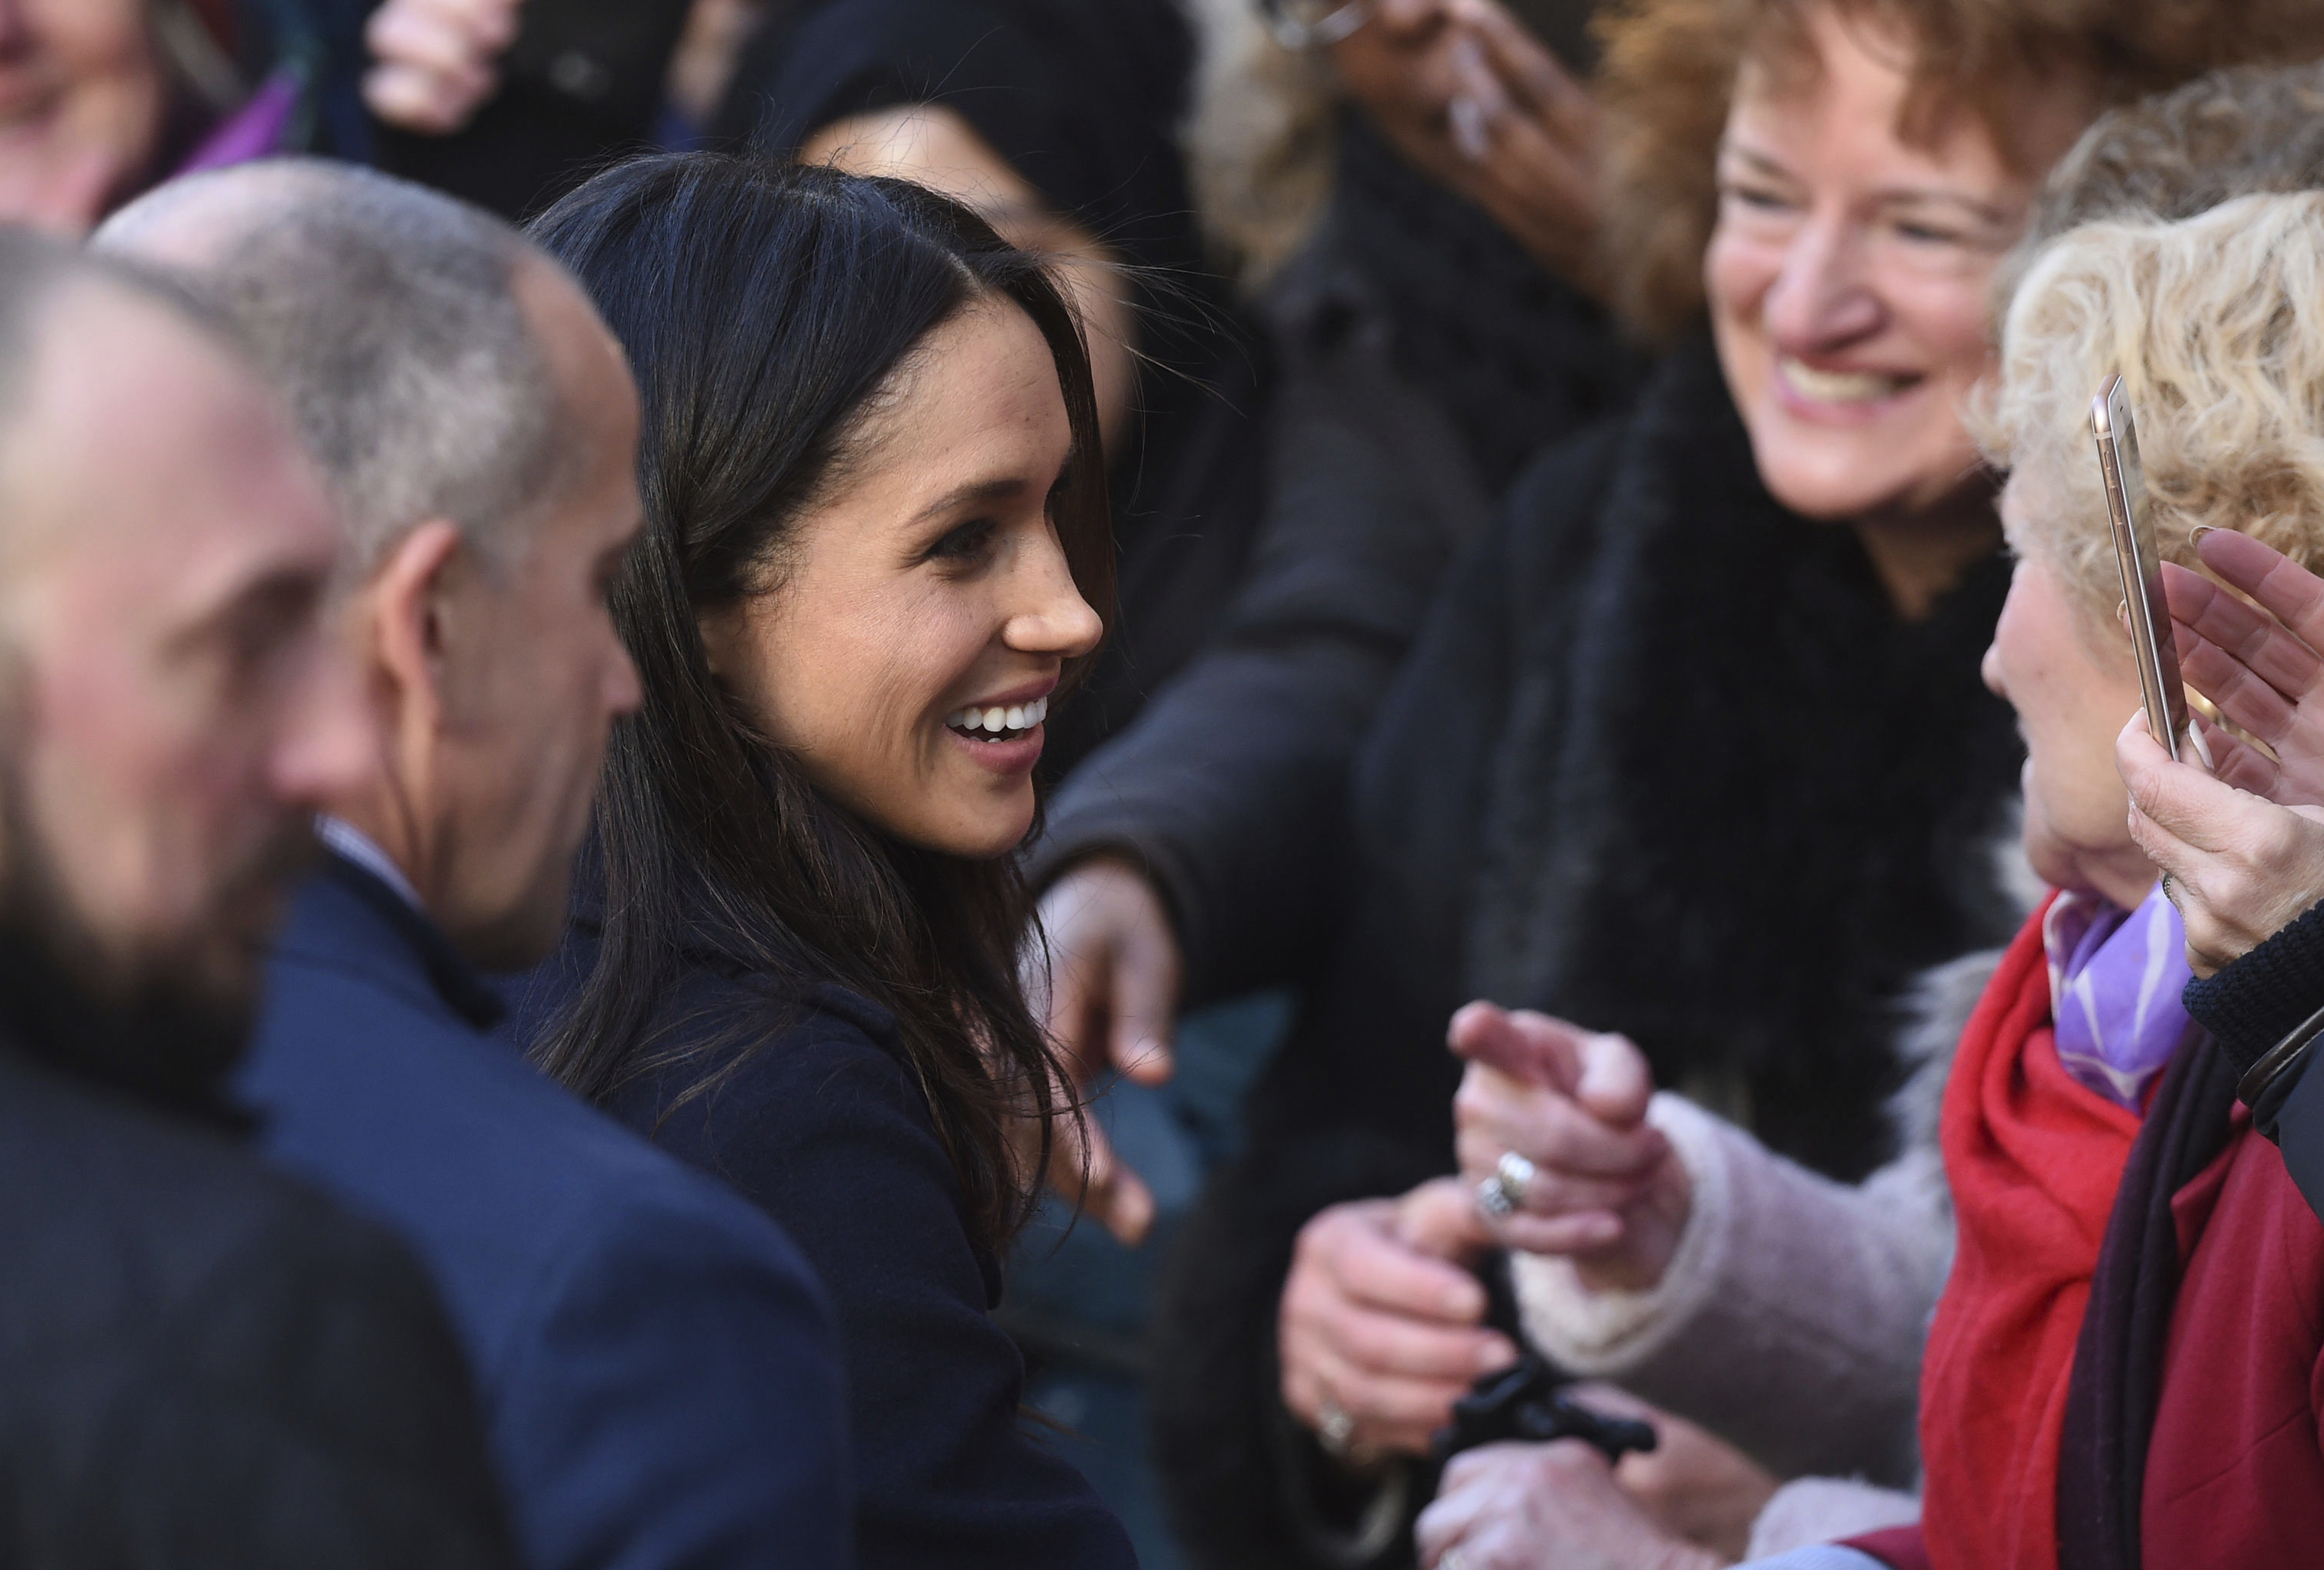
[
  {"x": 1842, "y": 386},
  {"x": 997, "y": 719}
]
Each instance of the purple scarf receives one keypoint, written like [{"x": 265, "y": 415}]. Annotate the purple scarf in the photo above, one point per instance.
[
  {"x": 253, "y": 131},
  {"x": 2114, "y": 980}
]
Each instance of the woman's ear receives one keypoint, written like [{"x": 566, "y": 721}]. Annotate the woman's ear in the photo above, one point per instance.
[
  {"x": 722, "y": 631},
  {"x": 411, "y": 619}
]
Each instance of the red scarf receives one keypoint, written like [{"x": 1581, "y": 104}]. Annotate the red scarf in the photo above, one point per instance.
[{"x": 2033, "y": 1160}]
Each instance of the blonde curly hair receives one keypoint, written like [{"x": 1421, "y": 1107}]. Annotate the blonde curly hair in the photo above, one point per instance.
[{"x": 2216, "y": 325}]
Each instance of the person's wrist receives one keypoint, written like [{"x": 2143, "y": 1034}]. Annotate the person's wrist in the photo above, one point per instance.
[
  {"x": 2252, "y": 1004},
  {"x": 1688, "y": 1557},
  {"x": 1652, "y": 1229}
]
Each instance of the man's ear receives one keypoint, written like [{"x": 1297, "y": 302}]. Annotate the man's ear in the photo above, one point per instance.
[{"x": 409, "y": 619}]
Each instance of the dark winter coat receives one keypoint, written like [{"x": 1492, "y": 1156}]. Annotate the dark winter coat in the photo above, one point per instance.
[
  {"x": 1419, "y": 355},
  {"x": 203, "y": 1366},
  {"x": 657, "y": 1365},
  {"x": 1664, "y": 761},
  {"x": 822, "y": 1123},
  {"x": 2268, "y": 1007}
]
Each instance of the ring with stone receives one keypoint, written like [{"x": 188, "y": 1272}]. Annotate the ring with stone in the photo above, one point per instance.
[
  {"x": 1502, "y": 1195},
  {"x": 1335, "y": 1430}
]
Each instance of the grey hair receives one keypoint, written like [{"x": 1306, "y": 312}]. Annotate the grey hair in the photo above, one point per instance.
[
  {"x": 386, "y": 314},
  {"x": 2245, "y": 131}
]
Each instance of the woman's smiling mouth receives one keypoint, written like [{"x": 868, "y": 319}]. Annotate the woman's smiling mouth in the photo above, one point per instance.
[{"x": 998, "y": 722}]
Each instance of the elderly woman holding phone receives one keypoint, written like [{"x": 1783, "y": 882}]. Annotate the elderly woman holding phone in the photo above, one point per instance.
[{"x": 2103, "y": 1189}]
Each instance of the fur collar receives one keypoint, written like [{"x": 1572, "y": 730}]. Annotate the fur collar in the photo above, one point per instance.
[{"x": 1739, "y": 803}]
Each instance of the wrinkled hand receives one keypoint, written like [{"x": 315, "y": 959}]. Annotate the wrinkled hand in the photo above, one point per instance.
[
  {"x": 2259, "y": 666},
  {"x": 1607, "y": 1190},
  {"x": 1695, "y": 1483},
  {"x": 1107, "y": 988},
  {"x": 1467, "y": 94},
  {"x": 1381, "y": 1318},
  {"x": 1547, "y": 1507},
  {"x": 2240, "y": 867},
  {"x": 436, "y": 62}
]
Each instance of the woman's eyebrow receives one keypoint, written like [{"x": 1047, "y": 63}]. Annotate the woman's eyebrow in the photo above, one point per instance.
[
  {"x": 1760, "y": 162},
  {"x": 975, "y": 492},
  {"x": 1937, "y": 196}
]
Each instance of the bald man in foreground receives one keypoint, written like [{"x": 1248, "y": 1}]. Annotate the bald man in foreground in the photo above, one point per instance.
[
  {"x": 656, "y": 1361},
  {"x": 200, "y": 1362}
]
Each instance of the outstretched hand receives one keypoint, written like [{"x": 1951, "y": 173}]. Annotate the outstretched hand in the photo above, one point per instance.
[
  {"x": 2258, "y": 664},
  {"x": 1607, "y": 1189},
  {"x": 1106, "y": 985}
]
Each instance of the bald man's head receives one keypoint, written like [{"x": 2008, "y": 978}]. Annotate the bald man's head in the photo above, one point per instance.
[
  {"x": 392, "y": 318},
  {"x": 170, "y": 711}
]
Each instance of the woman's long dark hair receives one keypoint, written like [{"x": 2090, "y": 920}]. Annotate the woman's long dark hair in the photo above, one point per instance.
[{"x": 763, "y": 306}]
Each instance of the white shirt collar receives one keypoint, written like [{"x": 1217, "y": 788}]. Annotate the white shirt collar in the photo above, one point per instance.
[{"x": 360, "y": 849}]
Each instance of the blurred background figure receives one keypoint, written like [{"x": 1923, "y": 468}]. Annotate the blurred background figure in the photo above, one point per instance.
[
  {"x": 103, "y": 99},
  {"x": 204, "y": 1363}
]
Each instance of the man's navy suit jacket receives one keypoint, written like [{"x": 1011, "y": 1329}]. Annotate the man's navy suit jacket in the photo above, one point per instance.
[{"x": 656, "y": 1362}]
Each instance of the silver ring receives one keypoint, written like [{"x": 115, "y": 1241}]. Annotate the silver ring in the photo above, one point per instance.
[
  {"x": 1334, "y": 1429},
  {"x": 2166, "y": 889},
  {"x": 1334, "y": 26},
  {"x": 1451, "y": 1558},
  {"x": 1515, "y": 1174},
  {"x": 1502, "y": 1195}
]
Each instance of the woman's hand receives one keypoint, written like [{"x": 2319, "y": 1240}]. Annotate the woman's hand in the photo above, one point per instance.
[
  {"x": 2240, "y": 867},
  {"x": 2258, "y": 666},
  {"x": 435, "y": 63},
  {"x": 1382, "y": 1327},
  {"x": 1606, "y": 1189},
  {"x": 1696, "y": 1484},
  {"x": 1473, "y": 100},
  {"x": 1107, "y": 988},
  {"x": 1546, "y": 1507}
]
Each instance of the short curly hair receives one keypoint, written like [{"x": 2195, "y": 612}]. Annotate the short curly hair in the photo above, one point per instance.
[
  {"x": 1669, "y": 68},
  {"x": 2216, "y": 325}
]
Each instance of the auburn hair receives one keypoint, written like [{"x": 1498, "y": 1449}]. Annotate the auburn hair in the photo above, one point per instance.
[{"x": 1669, "y": 68}]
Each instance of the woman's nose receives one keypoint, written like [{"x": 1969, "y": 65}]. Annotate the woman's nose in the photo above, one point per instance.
[
  {"x": 1051, "y": 617},
  {"x": 1823, "y": 297}
]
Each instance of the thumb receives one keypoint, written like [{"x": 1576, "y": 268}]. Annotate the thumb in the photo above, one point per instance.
[
  {"x": 1083, "y": 1168},
  {"x": 1145, "y": 1003},
  {"x": 1616, "y": 1083}
]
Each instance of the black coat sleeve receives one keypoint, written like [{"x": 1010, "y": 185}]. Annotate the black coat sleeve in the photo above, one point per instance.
[
  {"x": 314, "y": 1410},
  {"x": 1228, "y": 789},
  {"x": 2253, "y": 1004},
  {"x": 824, "y": 1126}
]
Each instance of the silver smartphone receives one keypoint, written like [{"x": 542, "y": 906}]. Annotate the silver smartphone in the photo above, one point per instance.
[{"x": 2148, "y": 612}]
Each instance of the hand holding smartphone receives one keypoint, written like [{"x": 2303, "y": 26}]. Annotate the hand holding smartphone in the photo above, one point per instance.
[{"x": 2143, "y": 607}]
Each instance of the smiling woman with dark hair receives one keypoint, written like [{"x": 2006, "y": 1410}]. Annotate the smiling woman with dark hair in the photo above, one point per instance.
[{"x": 876, "y": 550}]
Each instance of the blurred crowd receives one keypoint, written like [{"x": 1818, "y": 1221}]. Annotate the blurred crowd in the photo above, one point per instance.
[{"x": 1241, "y": 784}]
